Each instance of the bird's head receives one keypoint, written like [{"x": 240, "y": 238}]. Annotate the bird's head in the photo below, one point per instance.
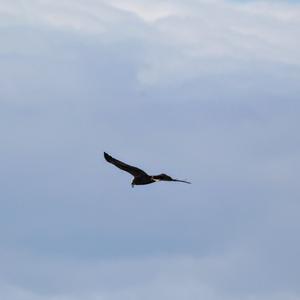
[{"x": 165, "y": 177}]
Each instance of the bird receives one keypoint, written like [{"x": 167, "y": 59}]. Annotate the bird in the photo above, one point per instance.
[{"x": 140, "y": 176}]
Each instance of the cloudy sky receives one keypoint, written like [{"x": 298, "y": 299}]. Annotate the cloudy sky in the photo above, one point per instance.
[{"x": 204, "y": 90}]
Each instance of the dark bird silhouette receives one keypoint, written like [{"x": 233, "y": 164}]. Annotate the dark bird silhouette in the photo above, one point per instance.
[{"x": 140, "y": 177}]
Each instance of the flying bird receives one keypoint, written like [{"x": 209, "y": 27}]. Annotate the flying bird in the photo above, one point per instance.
[{"x": 140, "y": 176}]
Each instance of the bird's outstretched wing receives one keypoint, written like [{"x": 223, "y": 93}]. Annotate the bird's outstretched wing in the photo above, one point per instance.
[
  {"x": 164, "y": 177},
  {"x": 134, "y": 171}
]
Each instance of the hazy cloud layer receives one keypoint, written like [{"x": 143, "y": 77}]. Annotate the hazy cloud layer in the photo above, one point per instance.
[
  {"x": 178, "y": 41},
  {"x": 203, "y": 90}
]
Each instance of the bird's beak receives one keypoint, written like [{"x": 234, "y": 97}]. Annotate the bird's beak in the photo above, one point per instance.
[{"x": 178, "y": 180}]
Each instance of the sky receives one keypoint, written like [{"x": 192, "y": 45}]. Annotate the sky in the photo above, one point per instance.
[{"x": 206, "y": 91}]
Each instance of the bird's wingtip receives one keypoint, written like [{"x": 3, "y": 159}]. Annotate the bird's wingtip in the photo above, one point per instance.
[{"x": 106, "y": 156}]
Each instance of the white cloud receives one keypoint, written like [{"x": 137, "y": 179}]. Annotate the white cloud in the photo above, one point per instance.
[
  {"x": 181, "y": 40},
  {"x": 146, "y": 10}
]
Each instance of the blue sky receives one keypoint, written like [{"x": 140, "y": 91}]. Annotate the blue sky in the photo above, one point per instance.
[{"x": 206, "y": 91}]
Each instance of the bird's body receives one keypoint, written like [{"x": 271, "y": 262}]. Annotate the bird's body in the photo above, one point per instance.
[
  {"x": 140, "y": 180},
  {"x": 140, "y": 177}
]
